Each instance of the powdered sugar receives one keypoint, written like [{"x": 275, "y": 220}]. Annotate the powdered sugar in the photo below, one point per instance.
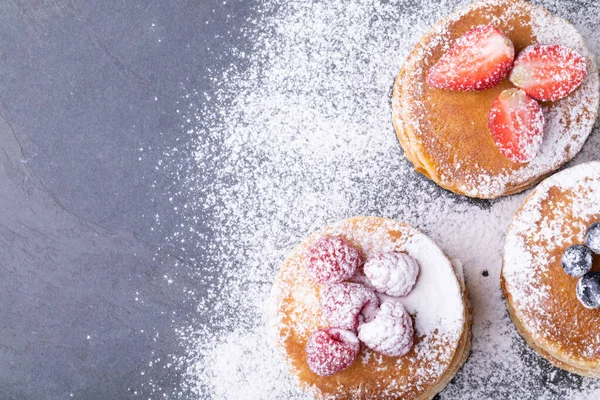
[
  {"x": 435, "y": 297},
  {"x": 303, "y": 138}
]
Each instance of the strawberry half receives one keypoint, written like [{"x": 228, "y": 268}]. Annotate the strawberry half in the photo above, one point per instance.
[
  {"x": 516, "y": 122},
  {"x": 548, "y": 73},
  {"x": 478, "y": 60}
]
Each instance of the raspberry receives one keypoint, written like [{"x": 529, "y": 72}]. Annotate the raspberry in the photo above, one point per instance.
[
  {"x": 331, "y": 350},
  {"x": 392, "y": 273},
  {"x": 343, "y": 304},
  {"x": 390, "y": 333},
  {"x": 332, "y": 260}
]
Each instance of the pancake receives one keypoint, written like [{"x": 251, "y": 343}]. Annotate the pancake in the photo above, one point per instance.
[
  {"x": 445, "y": 133},
  {"x": 540, "y": 296},
  {"x": 438, "y": 305}
]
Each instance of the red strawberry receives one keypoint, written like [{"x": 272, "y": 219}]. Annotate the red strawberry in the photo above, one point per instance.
[
  {"x": 478, "y": 60},
  {"x": 516, "y": 122},
  {"x": 548, "y": 73},
  {"x": 333, "y": 259},
  {"x": 331, "y": 350}
]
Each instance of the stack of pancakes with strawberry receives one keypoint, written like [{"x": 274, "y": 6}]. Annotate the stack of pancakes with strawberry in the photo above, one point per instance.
[
  {"x": 370, "y": 308},
  {"x": 495, "y": 98}
]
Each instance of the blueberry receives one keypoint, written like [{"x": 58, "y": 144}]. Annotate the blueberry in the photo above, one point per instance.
[
  {"x": 592, "y": 237},
  {"x": 588, "y": 290},
  {"x": 577, "y": 260}
]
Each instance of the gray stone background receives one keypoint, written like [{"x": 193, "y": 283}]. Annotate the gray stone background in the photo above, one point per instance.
[{"x": 89, "y": 92}]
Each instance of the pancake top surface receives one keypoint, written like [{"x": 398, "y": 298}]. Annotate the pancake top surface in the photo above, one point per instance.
[
  {"x": 451, "y": 128},
  {"x": 555, "y": 216},
  {"x": 435, "y": 304}
]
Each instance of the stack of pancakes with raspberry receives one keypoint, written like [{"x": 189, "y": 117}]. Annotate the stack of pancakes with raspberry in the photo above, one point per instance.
[{"x": 371, "y": 308}]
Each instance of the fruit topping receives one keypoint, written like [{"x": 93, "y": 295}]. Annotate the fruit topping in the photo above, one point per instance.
[
  {"x": 577, "y": 260},
  {"x": 331, "y": 350},
  {"x": 478, "y": 60},
  {"x": 332, "y": 260},
  {"x": 392, "y": 273},
  {"x": 391, "y": 332},
  {"x": 588, "y": 290},
  {"x": 516, "y": 123},
  {"x": 548, "y": 73},
  {"x": 346, "y": 304},
  {"x": 592, "y": 237}
]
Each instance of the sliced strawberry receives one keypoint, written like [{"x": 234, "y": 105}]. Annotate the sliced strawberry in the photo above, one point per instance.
[
  {"x": 548, "y": 73},
  {"x": 478, "y": 60},
  {"x": 516, "y": 122}
]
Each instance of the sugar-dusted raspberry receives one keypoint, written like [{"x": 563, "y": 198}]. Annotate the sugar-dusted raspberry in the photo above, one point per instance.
[
  {"x": 332, "y": 260},
  {"x": 391, "y": 332},
  {"x": 345, "y": 303},
  {"x": 392, "y": 273},
  {"x": 331, "y": 350}
]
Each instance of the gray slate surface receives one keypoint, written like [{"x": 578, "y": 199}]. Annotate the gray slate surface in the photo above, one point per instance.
[{"x": 84, "y": 86}]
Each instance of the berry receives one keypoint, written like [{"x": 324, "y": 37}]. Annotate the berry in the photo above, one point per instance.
[
  {"x": 344, "y": 304},
  {"x": 548, "y": 73},
  {"x": 588, "y": 290},
  {"x": 516, "y": 123},
  {"x": 577, "y": 260},
  {"x": 478, "y": 60},
  {"x": 332, "y": 260},
  {"x": 392, "y": 273},
  {"x": 331, "y": 350},
  {"x": 592, "y": 237},
  {"x": 391, "y": 332}
]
